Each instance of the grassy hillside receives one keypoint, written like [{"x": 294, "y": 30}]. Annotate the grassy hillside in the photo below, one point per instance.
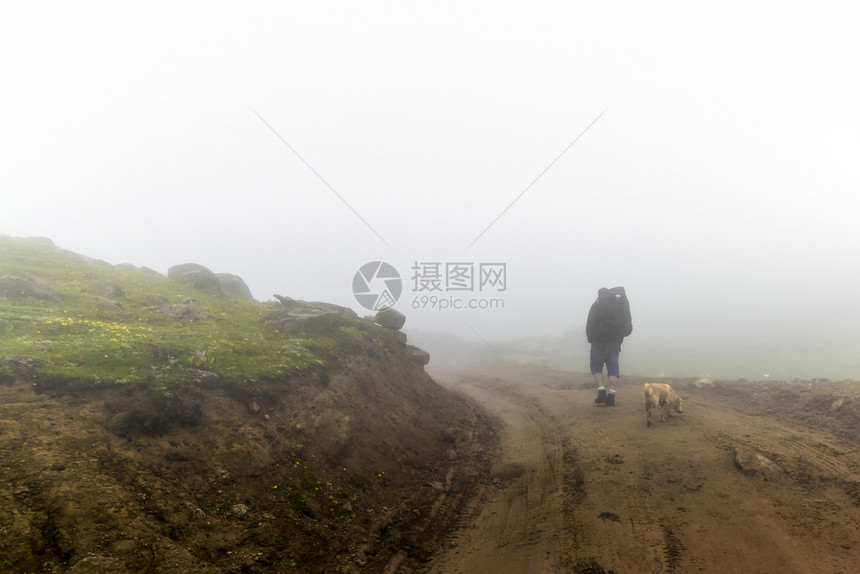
[
  {"x": 119, "y": 324},
  {"x": 150, "y": 426}
]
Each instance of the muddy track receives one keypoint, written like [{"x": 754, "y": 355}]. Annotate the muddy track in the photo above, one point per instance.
[
  {"x": 585, "y": 489},
  {"x": 535, "y": 466}
]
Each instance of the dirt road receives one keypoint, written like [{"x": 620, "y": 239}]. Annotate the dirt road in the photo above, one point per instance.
[{"x": 581, "y": 488}]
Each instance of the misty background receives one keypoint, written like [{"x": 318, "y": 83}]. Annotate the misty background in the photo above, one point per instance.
[{"x": 715, "y": 173}]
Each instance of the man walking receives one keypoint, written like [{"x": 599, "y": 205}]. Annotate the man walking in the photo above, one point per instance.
[{"x": 608, "y": 323}]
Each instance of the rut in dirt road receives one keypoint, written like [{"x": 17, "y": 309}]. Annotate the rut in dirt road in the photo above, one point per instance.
[
  {"x": 579, "y": 488},
  {"x": 525, "y": 529}
]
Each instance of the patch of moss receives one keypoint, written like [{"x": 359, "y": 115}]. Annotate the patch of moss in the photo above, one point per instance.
[
  {"x": 359, "y": 480},
  {"x": 299, "y": 500},
  {"x": 346, "y": 495}
]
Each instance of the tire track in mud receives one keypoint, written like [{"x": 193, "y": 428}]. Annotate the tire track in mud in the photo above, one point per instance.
[
  {"x": 549, "y": 480},
  {"x": 640, "y": 492},
  {"x": 579, "y": 463},
  {"x": 673, "y": 550},
  {"x": 612, "y": 517},
  {"x": 806, "y": 456},
  {"x": 621, "y": 497},
  {"x": 535, "y": 479},
  {"x": 775, "y": 437}
]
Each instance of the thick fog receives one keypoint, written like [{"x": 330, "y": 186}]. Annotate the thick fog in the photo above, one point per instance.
[{"x": 704, "y": 156}]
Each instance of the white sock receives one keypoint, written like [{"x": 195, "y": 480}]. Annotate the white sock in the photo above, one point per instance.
[
  {"x": 601, "y": 388},
  {"x": 611, "y": 391}
]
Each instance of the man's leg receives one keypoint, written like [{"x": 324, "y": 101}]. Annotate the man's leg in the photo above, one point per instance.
[
  {"x": 613, "y": 372},
  {"x": 597, "y": 359},
  {"x": 610, "y": 396},
  {"x": 601, "y": 390}
]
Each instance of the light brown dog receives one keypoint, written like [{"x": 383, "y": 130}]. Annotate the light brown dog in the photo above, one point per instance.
[{"x": 662, "y": 395}]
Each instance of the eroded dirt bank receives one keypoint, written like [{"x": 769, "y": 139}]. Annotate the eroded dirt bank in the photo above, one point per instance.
[
  {"x": 584, "y": 489},
  {"x": 357, "y": 469},
  {"x": 375, "y": 468}
]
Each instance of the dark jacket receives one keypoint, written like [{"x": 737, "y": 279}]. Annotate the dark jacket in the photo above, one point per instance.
[{"x": 600, "y": 330}]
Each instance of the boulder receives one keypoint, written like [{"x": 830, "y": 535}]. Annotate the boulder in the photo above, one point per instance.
[
  {"x": 390, "y": 318},
  {"x": 187, "y": 311},
  {"x": 32, "y": 287},
  {"x": 298, "y": 318},
  {"x": 103, "y": 288},
  {"x": 234, "y": 286},
  {"x": 418, "y": 356},
  {"x": 284, "y": 300},
  {"x": 289, "y": 303},
  {"x": 196, "y": 276},
  {"x": 107, "y": 302},
  {"x": 295, "y": 315},
  {"x": 401, "y": 338},
  {"x": 753, "y": 463},
  {"x": 200, "y": 277},
  {"x": 839, "y": 403}
]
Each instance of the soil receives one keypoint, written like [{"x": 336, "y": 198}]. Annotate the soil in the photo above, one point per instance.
[
  {"x": 374, "y": 467},
  {"x": 581, "y": 488},
  {"x": 345, "y": 470}
]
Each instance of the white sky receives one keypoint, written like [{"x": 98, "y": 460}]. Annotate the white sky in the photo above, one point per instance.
[{"x": 724, "y": 169}]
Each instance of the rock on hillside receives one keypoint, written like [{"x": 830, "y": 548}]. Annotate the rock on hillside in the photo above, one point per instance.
[
  {"x": 390, "y": 319},
  {"x": 234, "y": 286},
  {"x": 294, "y": 315},
  {"x": 200, "y": 277},
  {"x": 30, "y": 287}
]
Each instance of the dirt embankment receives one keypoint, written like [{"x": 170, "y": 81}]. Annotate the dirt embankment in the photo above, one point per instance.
[
  {"x": 751, "y": 478},
  {"x": 360, "y": 468},
  {"x": 373, "y": 467}
]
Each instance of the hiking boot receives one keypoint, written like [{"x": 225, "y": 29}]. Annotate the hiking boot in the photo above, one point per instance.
[
  {"x": 610, "y": 399},
  {"x": 601, "y": 397}
]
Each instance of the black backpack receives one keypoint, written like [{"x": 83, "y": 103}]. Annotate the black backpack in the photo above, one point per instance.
[{"x": 613, "y": 313}]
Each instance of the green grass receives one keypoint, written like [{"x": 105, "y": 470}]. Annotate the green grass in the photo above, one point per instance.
[
  {"x": 87, "y": 338},
  {"x": 301, "y": 485}
]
